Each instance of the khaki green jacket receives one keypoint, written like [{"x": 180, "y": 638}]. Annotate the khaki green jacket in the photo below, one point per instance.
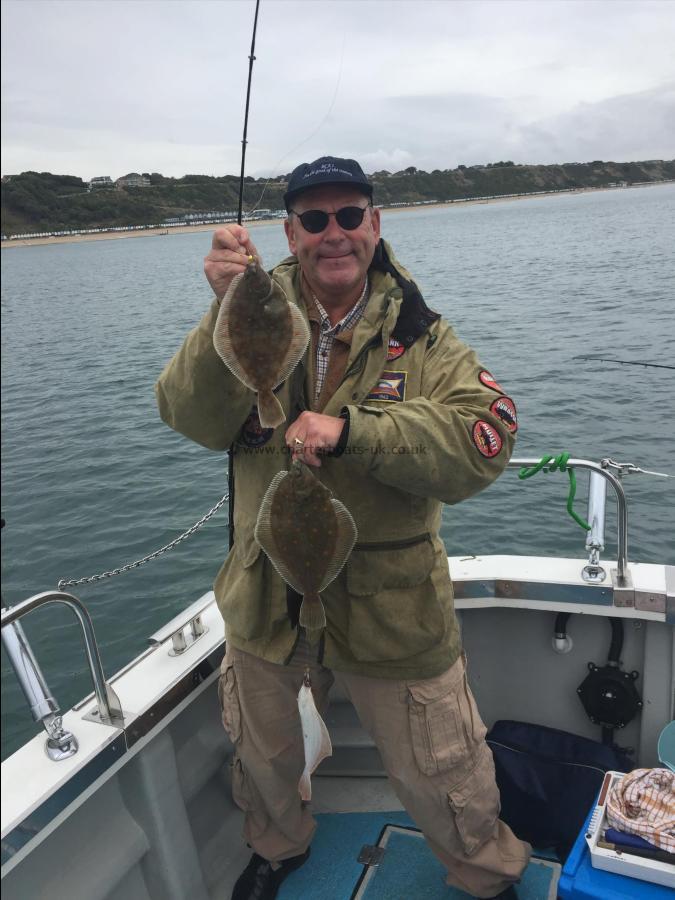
[{"x": 425, "y": 429}]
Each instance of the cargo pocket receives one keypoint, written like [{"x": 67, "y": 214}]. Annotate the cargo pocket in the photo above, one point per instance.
[
  {"x": 229, "y": 703},
  {"x": 475, "y": 803},
  {"x": 394, "y": 609},
  {"x": 438, "y": 716},
  {"x": 241, "y": 789}
]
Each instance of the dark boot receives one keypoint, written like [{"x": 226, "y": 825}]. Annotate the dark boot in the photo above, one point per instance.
[
  {"x": 259, "y": 881},
  {"x": 508, "y": 894}
]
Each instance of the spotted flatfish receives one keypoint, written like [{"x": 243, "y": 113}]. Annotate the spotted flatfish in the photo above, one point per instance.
[
  {"x": 260, "y": 337},
  {"x": 308, "y": 535}
]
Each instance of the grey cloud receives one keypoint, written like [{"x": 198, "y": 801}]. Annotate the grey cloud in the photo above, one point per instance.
[
  {"x": 634, "y": 126},
  {"x": 161, "y": 84}
]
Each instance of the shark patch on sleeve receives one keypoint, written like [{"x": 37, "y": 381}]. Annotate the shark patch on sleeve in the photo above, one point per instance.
[
  {"x": 390, "y": 388},
  {"x": 487, "y": 439},
  {"x": 505, "y": 409}
]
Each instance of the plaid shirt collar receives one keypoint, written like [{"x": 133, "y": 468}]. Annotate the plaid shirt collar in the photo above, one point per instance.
[
  {"x": 328, "y": 333},
  {"x": 346, "y": 322}
]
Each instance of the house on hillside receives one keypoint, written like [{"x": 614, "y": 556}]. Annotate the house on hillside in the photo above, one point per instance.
[
  {"x": 133, "y": 179},
  {"x": 101, "y": 183}
]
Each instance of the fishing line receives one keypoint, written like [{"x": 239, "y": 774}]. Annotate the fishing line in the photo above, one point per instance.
[
  {"x": 625, "y": 362},
  {"x": 318, "y": 128}
]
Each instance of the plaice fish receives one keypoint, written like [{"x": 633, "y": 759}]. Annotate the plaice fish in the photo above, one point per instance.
[
  {"x": 260, "y": 337},
  {"x": 308, "y": 535},
  {"x": 315, "y": 737}
]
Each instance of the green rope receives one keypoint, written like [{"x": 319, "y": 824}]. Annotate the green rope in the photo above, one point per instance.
[{"x": 558, "y": 463}]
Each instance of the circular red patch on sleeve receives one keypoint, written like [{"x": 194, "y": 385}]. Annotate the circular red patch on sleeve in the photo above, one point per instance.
[
  {"x": 486, "y": 378},
  {"x": 487, "y": 439},
  {"x": 505, "y": 409}
]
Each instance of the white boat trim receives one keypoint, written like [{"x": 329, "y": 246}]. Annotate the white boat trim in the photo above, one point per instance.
[{"x": 38, "y": 794}]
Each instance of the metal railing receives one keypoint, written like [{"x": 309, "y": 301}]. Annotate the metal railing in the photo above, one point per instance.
[
  {"x": 60, "y": 743},
  {"x": 622, "y": 576}
]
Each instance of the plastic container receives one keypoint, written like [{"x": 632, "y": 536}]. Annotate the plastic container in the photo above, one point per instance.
[{"x": 579, "y": 880}]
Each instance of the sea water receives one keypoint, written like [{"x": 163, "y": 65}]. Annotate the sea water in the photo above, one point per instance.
[{"x": 92, "y": 478}]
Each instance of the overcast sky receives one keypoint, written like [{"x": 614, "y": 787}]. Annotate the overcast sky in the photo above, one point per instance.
[{"x": 107, "y": 87}]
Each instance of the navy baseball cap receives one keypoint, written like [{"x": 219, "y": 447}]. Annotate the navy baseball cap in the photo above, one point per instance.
[{"x": 327, "y": 170}]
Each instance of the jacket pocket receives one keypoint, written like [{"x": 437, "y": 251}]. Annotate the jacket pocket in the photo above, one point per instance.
[
  {"x": 244, "y": 589},
  {"x": 475, "y": 803},
  {"x": 229, "y": 703},
  {"x": 394, "y": 610}
]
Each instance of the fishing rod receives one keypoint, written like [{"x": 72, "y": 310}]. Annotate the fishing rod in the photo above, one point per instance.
[
  {"x": 230, "y": 452},
  {"x": 625, "y": 362},
  {"x": 251, "y": 59}
]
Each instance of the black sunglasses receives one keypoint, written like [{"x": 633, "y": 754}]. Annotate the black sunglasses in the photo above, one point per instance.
[{"x": 316, "y": 220}]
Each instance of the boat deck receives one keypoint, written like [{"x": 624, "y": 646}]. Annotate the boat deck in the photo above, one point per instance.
[{"x": 146, "y": 812}]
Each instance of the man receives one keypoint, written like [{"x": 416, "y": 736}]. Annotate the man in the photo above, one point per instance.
[{"x": 397, "y": 417}]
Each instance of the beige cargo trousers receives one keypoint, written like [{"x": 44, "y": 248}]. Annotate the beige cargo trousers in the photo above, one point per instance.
[{"x": 432, "y": 743}]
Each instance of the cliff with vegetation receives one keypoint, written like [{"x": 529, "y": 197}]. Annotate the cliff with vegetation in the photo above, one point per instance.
[{"x": 42, "y": 202}]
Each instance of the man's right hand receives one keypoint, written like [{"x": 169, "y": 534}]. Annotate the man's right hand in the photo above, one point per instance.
[{"x": 230, "y": 249}]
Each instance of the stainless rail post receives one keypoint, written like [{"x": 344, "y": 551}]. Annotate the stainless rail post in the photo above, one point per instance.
[
  {"x": 109, "y": 708},
  {"x": 60, "y": 743},
  {"x": 28, "y": 673},
  {"x": 621, "y": 577},
  {"x": 593, "y": 572}
]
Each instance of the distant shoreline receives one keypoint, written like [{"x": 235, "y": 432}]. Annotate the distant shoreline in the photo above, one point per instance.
[{"x": 189, "y": 229}]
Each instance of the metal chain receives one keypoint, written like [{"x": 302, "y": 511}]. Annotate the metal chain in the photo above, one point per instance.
[{"x": 139, "y": 562}]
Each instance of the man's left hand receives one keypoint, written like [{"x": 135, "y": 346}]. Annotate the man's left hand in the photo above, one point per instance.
[{"x": 313, "y": 434}]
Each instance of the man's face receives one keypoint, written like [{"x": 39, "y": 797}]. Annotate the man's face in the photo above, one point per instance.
[{"x": 335, "y": 261}]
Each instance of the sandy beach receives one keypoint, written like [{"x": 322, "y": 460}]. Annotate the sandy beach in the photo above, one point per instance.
[{"x": 184, "y": 229}]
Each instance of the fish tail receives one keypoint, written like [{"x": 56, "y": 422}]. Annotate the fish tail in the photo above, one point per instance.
[
  {"x": 270, "y": 410},
  {"x": 312, "y": 613}
]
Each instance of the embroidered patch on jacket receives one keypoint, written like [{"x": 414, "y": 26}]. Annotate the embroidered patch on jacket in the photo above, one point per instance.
[
  {"x": 486, "y": 378},
  {"x": 505, "y": 409},
  {"x": 487, "y": 439},
  {"x": 252, "y": 433},
  {"x": 394, "y": 349},
  {"x": 390, "y": 388}
]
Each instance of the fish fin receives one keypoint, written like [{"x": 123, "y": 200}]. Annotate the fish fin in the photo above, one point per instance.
[
  {"x": 222, "y": 341},
  {"x": 312, "y": 613},
  {"x": 325, "y": 747},
  {"x": 346, "y": 538},
  {"x": 270, "y": 411},
  {"x": 298, "y": 344},
  {"x": 305, "y": 786},
  {"x": 263, "y": 526},
  {"x": 265, "y": 536}
]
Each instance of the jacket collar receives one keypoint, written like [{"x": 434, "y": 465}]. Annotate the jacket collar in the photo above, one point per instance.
[{"x": 389, "y": 282}]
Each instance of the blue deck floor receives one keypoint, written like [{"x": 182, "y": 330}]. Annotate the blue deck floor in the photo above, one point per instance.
[{"x": 409, "y": 870}]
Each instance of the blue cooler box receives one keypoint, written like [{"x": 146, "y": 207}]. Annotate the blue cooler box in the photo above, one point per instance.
[{"x": 580, "y": 881}]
